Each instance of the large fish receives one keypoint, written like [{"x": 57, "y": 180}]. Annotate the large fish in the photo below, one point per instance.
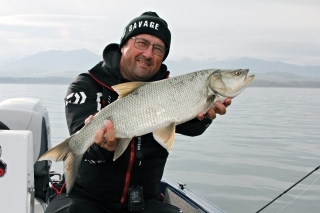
[{"x": 155, "y": 107}]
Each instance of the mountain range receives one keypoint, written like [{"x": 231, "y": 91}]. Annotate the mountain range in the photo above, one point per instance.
[
  {"x": 68, "y": 64},
  {"x": 51, "y": 63}
]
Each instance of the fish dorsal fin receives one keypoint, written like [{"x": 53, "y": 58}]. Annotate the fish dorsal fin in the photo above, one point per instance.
[
  {"x": 165, "y": 136},
  {"x": 126, "y": 88}
]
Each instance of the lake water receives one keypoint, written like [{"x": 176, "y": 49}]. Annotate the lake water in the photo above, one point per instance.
[{"x": 268, "y": 140}]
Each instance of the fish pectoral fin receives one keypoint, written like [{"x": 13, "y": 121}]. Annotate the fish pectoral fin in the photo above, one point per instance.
[
  {"x": 165, "y": 136},
  {"x": 126, "y": 88},
  {"x": 123, "y": 143}
]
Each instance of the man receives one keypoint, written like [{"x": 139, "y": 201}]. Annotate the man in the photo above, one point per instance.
[{"x": 131, "y": 183}]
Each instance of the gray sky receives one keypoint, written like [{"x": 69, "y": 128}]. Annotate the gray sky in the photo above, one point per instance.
[{"x": 275, "y": 30}]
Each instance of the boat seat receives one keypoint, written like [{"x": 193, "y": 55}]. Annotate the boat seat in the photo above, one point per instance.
[{"x": 29, "y": 114}]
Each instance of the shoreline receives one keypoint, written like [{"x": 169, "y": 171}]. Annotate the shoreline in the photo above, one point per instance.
[{"x": 67, "y": 81}]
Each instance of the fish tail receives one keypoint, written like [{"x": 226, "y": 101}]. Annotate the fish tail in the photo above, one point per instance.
[
  {"x": 71, "y": 166},
  {"x": 62, "y": 152},
  {"x": 57, "y": 153}
]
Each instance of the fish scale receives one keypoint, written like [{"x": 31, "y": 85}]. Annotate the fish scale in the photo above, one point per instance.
[
  {"x": 146, "y": 117},
  {"x": 155, "y": 107}
]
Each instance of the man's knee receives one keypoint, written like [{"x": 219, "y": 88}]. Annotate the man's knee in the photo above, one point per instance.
[{"x": 61, "y": 204}]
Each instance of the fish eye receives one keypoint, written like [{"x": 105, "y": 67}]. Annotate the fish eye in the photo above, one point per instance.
[{"x": 238, "y": 72}]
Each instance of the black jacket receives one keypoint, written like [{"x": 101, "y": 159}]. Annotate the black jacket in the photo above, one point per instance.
[{"x": 99, "y": 177}]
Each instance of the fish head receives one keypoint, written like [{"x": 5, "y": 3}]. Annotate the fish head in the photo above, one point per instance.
[{"x": 229, "y": 83}]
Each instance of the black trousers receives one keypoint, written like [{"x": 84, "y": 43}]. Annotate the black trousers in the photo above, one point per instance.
[{"x": 77, "y": 204}]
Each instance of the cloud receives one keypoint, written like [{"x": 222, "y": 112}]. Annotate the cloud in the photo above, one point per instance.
[
  {"x": 32, "y": 33},
  {"x": 47, "y": 20},
  {"x": 275, "y": 29}
]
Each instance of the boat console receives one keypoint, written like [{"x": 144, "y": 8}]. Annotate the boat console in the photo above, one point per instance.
[{"x": 24, "y": 137}]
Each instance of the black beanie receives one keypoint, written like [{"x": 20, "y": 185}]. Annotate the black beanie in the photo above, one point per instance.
[{"x": 148, "y": 23}]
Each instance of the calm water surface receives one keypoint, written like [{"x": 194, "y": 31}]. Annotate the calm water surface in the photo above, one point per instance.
[{"x": 268, "y": 140}]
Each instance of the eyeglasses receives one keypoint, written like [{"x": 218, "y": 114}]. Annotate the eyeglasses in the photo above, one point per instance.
[{"x": 143, "y": 44}]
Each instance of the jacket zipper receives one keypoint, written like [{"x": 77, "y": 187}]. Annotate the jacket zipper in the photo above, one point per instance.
[
  {"x": 128, "y": 174},
  {"x": 132, "y": 152}
]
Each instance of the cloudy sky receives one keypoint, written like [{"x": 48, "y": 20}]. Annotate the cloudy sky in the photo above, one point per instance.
[{"x": 275, "y": 30}]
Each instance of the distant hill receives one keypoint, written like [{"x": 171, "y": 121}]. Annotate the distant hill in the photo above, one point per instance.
[
  {"x": 255, "y": 66},
  {"x": 54, "y": 65},
  {"x": 51, "y": 63}
]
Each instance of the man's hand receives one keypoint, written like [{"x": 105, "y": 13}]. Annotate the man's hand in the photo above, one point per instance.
[
  {"x": 220, "y": 108},
  {"x": 105, "y": 136}
]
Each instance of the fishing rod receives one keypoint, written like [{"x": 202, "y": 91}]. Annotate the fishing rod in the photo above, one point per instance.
[{"x": 288, "y": 189}]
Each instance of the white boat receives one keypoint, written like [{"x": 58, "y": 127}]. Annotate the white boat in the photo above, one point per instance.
[{"x": 26, "y": 184}]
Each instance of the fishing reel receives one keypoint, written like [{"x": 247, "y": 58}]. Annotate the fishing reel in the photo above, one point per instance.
[{"x": 3, "y": 166}]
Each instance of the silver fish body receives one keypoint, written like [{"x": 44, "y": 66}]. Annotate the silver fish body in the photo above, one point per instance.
[{"x": 155, "y": 107}]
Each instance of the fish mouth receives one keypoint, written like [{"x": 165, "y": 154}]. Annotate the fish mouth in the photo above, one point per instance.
[{"x": 249, "y": 78}]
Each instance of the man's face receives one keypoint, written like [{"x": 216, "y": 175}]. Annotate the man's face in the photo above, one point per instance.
[{"x": 140, "y": 65}]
